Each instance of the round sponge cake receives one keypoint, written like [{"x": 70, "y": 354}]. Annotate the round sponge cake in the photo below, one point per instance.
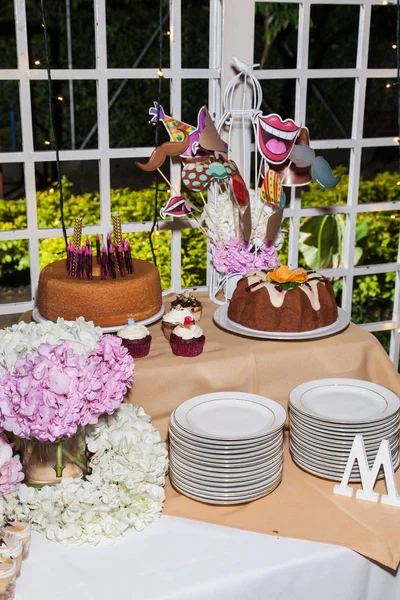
[{"x": 107, "y": 303}]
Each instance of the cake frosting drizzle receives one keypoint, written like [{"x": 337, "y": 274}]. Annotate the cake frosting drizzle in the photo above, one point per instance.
[{"x": 256, "y": 280}]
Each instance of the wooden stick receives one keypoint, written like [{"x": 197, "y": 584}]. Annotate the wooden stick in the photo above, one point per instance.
[
  {"x": 168, "y": 182},
  {"x": 285, "y": 173}
]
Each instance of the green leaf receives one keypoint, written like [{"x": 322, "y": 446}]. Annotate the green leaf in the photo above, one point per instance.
[{"x": 289, "y": 285}]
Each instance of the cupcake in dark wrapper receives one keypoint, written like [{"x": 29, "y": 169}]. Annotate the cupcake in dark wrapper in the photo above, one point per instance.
[
  {"x": 136, "y": 338},
  {"x": 187, "y": 340},
  {"x": 189, "y": 301}
]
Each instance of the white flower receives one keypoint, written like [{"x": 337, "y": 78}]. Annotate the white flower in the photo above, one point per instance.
[
  {"x": 125, "y": 488},
  {"x": 222, "y": 222},
  {"x": 19, "y": 340}
]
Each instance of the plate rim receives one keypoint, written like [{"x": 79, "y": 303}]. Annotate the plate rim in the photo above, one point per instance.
[
  {"x": 297, "y": 392},
  {"x": 276, "y": 408},
  {"x": 206, "y": 452},
  {"x": 217, "y": 442},
  {"x": 211, "y": 501},
  {"x": 37, "y": 317}
]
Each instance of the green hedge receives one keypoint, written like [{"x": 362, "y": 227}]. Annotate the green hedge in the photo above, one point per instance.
[
  {"x": 133, "y": 206},
  {"x": 373, "y": 294}
]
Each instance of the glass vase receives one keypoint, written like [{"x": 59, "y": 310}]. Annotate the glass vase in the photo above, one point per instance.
[{"x": 47, "y": 463}]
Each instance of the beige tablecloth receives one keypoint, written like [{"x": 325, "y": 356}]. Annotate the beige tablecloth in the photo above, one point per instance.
[{"x": 303, "y": 506}]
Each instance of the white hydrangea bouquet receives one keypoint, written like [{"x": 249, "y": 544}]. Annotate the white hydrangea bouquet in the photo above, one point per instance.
[{"x": 124, "y": 490}]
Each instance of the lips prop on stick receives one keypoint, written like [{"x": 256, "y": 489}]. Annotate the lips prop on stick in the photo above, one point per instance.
[
  {"x": 276, "y": 137},
  {"x": 178, "y": 206}
]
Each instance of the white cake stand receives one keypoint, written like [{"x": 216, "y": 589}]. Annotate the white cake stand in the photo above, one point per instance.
[
  {"x": 37, "y": 317},
  {"x": 222, "y": 320}
]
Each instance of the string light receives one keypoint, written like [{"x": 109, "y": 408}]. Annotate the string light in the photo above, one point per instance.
[
  {"x": 154, "y": 226},
  {"x": 47, "y": 143},
  {"x": 167, "y": 33},
  {"x": 394, "y": 46},
  {"x": 51, "y": 190},
  {"x": 388, "y": 85},
  {"x": 392, "y": 216},
  {"x": 52, "y": 125},
  {"x": 37, "y": 63},
  {"x": 60, "y": 98}
]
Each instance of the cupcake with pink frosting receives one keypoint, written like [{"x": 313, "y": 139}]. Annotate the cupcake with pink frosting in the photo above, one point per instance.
[
  {"x": 136, "y": 338},
  {"x": 187, "y": 339}
]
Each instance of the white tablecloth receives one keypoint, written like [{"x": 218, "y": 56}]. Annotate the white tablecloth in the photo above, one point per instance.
[{"x": 177, "y": 559}]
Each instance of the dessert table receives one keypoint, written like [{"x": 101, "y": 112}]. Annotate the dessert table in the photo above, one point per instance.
[{"x": 187, "y": 554}]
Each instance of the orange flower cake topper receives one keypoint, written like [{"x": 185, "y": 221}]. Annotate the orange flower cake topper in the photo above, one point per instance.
[{"x": 285, "y": 275}]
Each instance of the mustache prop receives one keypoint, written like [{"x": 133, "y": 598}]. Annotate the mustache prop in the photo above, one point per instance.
[{"x": 160, "y": 154}]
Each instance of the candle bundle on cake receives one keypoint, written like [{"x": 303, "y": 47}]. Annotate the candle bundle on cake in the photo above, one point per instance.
[
  {"x": 103, "y": 284},
  {"x": 113, "y": 258}
]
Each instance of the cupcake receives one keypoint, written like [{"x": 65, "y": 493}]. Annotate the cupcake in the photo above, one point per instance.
[
  {"x": 174, "y": 317},
  {"x": 136, "y": 338},
  {"x": 187, "y": 339},
  {"x": 190, "y": 302}
]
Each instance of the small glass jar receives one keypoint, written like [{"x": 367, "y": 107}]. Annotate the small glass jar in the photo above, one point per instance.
[
  {"x": 8, "y": 578},
  {"x": 11, "y": 547},
  {"x": 47, "y": 463},
  {"x": 23, "y": 532}
]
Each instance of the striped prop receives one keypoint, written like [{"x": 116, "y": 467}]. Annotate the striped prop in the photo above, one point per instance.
[{"x": 271, "y": 189}]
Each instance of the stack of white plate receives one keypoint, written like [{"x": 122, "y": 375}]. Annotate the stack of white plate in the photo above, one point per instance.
[
  {"x": 227, "y": 447},
  {"x": 326, "y": 415}
]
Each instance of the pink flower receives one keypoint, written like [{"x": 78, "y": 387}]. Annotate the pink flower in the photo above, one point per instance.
[
  {"x": 11, "y": 473},
  {"x": 11, "y": 476},
  {"x": 53, "y": 391},
  {"x": 236, "y": 256}
]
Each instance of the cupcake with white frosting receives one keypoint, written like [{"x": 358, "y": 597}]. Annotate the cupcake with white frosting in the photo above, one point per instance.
[
  {"x": 189, "y": 301},
  {"x": 174, "y": 317},
  {"x": 187, "y": 339},
  {"x": 136, "y": 338}
]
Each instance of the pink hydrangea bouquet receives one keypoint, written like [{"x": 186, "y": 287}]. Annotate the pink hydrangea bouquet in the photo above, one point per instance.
[
  {"x": 58, "y": 377},
  {"x": 234, "y": 255},
  {"x": 11, "y": 473}
]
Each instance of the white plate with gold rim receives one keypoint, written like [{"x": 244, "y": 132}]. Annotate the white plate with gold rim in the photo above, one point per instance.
[
  {"x": 337, "y": 446},
  {"x": 332, "y": 474},
  {"x": 224, "y": 499},
  {"x": 230, "y": 416},
  {"x": 233, "y": 452},
  {"x": 333, "y": 461},
  {"x": 226, "y": 461},
  {"x": 221, "y": 318},
  {"x": 228, "y": 470},
  {"x": 342, "y": 400},
  {"x": 227, "y": 488},
  {"x": 218, "y": 443},
  {"x": 316, "y": 447},
  {"x": 218, "y": 475},
  {"x": 326, "y": 434},
  {"x": 339, "y": 429},
  {"x": 213, "y": 443}
]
